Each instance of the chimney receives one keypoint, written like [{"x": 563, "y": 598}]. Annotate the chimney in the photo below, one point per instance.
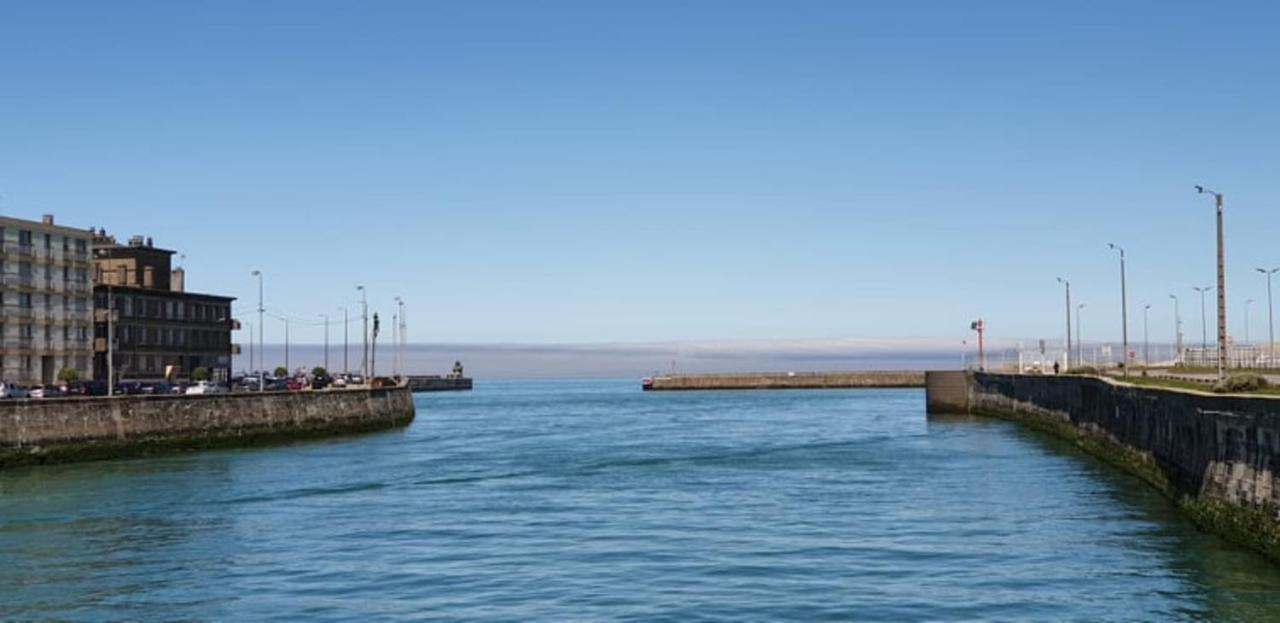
[
  {"x": 176, "y": 278},
  {"x": 47, "y": 219}
]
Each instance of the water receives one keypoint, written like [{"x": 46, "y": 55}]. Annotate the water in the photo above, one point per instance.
[{"x": 589, "y": 500}]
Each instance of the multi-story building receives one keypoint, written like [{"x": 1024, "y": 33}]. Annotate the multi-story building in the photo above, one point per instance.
[
  {"x": 161, "y": 330},
  {"x": 45, "y": 290}
]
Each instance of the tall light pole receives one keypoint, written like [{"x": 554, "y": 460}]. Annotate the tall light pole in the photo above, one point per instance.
[
  {"x": 364, "y": 313},
  {"x": 1068, "y": 285},
  {"x": 400, "y": 336},
  {"x": 287, "y": 370},
  {"x": 1079, "y": 344},
  {"x": 1204, "y": 331},
  {"x": 1177, "y": 330},
  {"x": 346, "y": 323},
  {"x": 1146, "y": 338},
  {"x": 1124, "y": 312},
  {"x": 1271, "y": 327},
  {"x": 250, "y": 325},
  {"x": 326, "y": 343},
  {"x": 262, "y": 329},
  {"x": 1222, "y": 288}
]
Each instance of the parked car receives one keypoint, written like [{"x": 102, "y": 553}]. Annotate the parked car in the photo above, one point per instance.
[
  {"x": 321, "y": 382},
  {"x": 9, "y": 390},
  {"x": 294, "y": 384},
  {"x": 128, "y": 388},
  {"x": 205, "y": 387},
  {"x": 46, "y": 391}
]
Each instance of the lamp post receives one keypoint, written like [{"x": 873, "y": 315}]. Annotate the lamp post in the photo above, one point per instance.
[
  {"x": 1079, "y": 344},
  {"x": 262, "y": 328},
  {"x": 1177, "y": 331},
  {"x": 1271, "y": 327},
  {"x": 1146, "y": 338},
  {"x": 1204, "y": 331},
  {"x": 345, "y": 325},
  {"x": 250, "y": 325},
  {"x": 979, "y": 326},
  {"x": 1246, "y": 320},
  {"x": 1124, "y": 312},
  {"x": 400, "y": 340},
  {"x": 287, "y": 370},
  {"x": 364, "y": 313},
  {"x": 326, "y": 342},
  {"x": 1068, "y": 286},
  {"x": 1222, "y": 288}
]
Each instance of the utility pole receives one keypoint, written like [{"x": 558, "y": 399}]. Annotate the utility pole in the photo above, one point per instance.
[
  {"x": 364, "y": 313},
  {"x": 395, "y": 340},
  {"x": 1271, "y": 327},
  {"x": 1246, "y": 320},
  {"x": 262, "y": 329},
  {"x": 1177, "y": 331},
  {"x": 1204, "y": 330},
  {"x": 326, "y": 343},
  {"x": 250, "y": 325},
  {"x": 1222, "y": 288},
  {"x": 1124, "y": 313},
  {"x": 287, "y": 369},
  {"x": 1068, "y": 285},
  {"x": 400, "y": 343}
]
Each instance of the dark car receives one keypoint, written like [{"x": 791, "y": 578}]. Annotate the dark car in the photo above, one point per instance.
[
  {"x": 128, "y": 388},
  {"x": 321, "y": 382}
]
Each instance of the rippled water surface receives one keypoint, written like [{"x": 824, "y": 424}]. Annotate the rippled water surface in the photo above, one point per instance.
[{"x": 590, "y": 500}]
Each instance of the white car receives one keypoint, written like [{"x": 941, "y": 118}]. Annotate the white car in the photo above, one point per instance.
[{"x": 205, "y": 387}]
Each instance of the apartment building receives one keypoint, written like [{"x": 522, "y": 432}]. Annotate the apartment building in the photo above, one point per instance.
[
  {"x": 45, "y": 293},
  {"x": 161, "y": 330}
]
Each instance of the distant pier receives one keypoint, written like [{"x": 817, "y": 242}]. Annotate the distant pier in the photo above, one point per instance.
[{"x": 785, "y": 380}]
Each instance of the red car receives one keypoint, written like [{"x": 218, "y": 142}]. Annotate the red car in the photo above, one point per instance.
[{"x": 294, "y": 384}]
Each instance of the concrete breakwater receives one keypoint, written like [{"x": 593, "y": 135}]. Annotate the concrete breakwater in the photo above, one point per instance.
[
  {"x": 80, "y": 429},
  {"x": 1216, "y": 456},
  {"x": 786, "y": 380}
]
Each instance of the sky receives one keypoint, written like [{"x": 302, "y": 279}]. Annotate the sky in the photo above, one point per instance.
[{"x": 559, "y": 172}]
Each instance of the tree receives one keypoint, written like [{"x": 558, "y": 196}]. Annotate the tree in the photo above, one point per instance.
[
  {"x": 281, "y": 371},
  {"x": 68, "y": 375},
  {"x": 200, "y": 374},
  {"x": 318, "y": 372}
]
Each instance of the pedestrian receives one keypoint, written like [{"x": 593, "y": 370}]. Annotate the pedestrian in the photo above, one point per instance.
[{"x": 1055, "y": 367}]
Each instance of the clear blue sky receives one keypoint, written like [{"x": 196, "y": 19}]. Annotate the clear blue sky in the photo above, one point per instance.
[{"x": 609, "y": 171}]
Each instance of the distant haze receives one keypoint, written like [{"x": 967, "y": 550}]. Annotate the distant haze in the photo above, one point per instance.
[{"x": 642, "y": 359}]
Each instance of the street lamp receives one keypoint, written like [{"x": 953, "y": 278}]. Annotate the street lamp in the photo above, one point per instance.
[
  {"x": 262, "y": 329},
  {"x": 1177, "y": 331},
  {"x": 1124, "y": 311},
  {"x": 326, "y": 343},
  {"x": 1246, "y": 320},
  {"x": 1068, "y": 285},
  {"x": 400, "y": 338},
  {"x": 1204, "y": 331},
  {"x": 345, "y": 325},
  {"x": 1079, "y": 344},
  {"x": 1222, "y": 288},
  {"x": 1271, "y": 327},
  {"x": 1146, "y": 338},
  {"x": 364, "y": 313}
]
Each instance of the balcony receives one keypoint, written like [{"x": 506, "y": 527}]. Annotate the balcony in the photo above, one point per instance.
[
  {"x": 16, "y": 311},
  {"x": 18, "y": 281}
]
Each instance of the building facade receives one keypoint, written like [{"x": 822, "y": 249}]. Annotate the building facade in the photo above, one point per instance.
[
  {"x": 161, "y": 331},
  {"x": 45, "y": 293}
]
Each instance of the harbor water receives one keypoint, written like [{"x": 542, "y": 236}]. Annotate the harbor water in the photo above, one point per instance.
[{"x": 590, "y": 500}]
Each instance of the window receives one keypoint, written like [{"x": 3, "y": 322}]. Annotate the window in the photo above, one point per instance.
[
  {"x": 24, "y": 237},
  {"x": 24, "y": 269},
  {"x": 82, "y": 246},
  {"x": 48, "y": 242},
  {"x": 24, "y": 300},
  {"x": 48, "y": 301},
  {"x": 82, "y": 303},
  {"x": 25, "y": 331}
]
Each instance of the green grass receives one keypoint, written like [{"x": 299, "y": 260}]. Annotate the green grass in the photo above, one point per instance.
[{"x": 1191, "y": 385}]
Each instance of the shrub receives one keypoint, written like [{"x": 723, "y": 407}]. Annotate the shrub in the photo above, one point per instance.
[
  {"x": 1085, "y": 370},
  {"x": 200, "y": 374},
  {"x": 281, "y": 371},
  {"x": 1237, "y": 383},
  {"x": 318, "y": 372},
  {"x": 68, "y": 375}
]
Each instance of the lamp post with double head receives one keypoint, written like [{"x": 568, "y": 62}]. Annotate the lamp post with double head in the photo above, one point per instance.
[{"x": 1204, "y": 326}]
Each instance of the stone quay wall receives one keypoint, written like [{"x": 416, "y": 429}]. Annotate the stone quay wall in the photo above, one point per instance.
[
  {"x": 77, "y": 429},
  {"x": 1217, "y": 456},
  {"x": 787, "y": 380}
]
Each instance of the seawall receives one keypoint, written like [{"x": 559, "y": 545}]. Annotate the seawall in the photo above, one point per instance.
[
  {"x": 787, "y": 380},
  {"x": 1216, "y": 456},
  {"x": 79, "y": 429}
]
